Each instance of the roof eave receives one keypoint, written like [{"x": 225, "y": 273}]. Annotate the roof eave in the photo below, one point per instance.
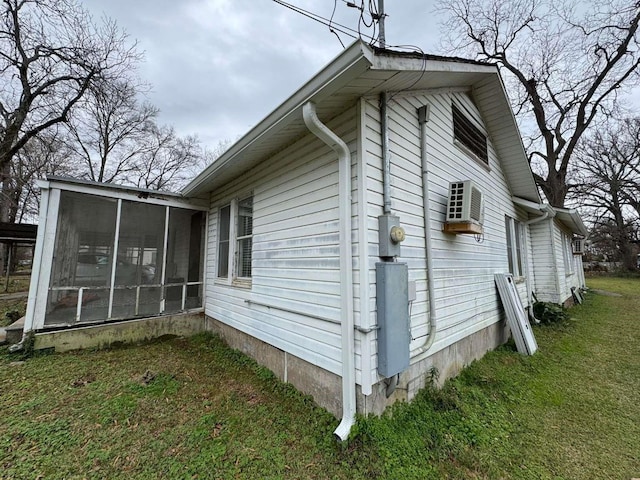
[
  {"x": 572, "y": 220},
  {"x": 351, "y": 62}
]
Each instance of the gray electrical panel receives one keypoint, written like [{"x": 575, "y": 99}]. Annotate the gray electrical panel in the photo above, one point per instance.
[{"x": 392, "y": 294}]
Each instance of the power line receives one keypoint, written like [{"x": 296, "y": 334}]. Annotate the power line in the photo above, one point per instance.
[
  {"x": 355, "y": 34},
  {"x": 335, "y": 5}
]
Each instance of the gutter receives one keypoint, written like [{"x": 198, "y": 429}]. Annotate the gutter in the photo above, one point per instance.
[
  {"x": 323, "y": 132},
  {"x": 423, "y": 118}
]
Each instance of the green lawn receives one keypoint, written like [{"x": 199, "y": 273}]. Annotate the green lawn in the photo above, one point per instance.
[{"x": 192, "y": 408}]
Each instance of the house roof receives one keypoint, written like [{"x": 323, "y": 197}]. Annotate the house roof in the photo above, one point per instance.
[
  {"x": 362, "y": 70},
  {"x": 121, "y": 191},
  {"x": 568, "y": 217},
  {"x": 572, "y": 220},
  {"x": 18, "y": 232}
]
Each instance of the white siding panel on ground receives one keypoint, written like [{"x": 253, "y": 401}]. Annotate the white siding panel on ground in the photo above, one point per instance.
[
  {"x": 293, "y": 300},
  {"x": 464, "y": 266}
]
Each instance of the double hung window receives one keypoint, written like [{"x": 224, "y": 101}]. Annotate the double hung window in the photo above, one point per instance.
[
  {"x": 235, "y": 239},
  {"x": 514, "y": 246}
]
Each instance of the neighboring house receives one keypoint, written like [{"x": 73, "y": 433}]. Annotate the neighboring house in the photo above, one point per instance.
[{"x": 352, "y": 236}]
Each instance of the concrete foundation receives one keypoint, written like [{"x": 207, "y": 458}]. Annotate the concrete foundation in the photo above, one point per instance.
[
  {"x": 326, "y": 387},
  {"x": 130, "y": 331}
]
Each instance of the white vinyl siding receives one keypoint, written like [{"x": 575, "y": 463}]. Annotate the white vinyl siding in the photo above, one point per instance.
[
  {"x": 554, "y": 264},
  {"x": 293, "y": 302},
  {"x": 464, "y": 266}
]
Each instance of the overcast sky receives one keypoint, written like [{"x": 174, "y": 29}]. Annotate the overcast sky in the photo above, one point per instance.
[{"x": 219, "y": 66}]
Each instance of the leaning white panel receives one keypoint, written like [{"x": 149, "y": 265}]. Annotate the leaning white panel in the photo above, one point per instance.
[{"x": 516, "y": 316}]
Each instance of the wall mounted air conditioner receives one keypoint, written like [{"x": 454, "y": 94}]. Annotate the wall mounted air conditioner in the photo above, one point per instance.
[
  {"x": 465, "y": 208},
  {"x": 578, "y": 246}
]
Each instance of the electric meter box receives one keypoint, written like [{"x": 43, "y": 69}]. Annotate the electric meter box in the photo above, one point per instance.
[{"x": 392, "y": 298}]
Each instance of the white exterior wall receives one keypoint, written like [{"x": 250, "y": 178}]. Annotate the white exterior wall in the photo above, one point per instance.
[
  {"x": 553, "y": 282},
  {"x": 293, "y": 302},
  {"x": 466, "y": 298},
  {"x": 544, "y": 255},
  {"x": 566, "y": 278}
]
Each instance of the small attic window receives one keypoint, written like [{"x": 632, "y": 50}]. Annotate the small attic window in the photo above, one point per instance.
[{"x": 469, "y": 136}]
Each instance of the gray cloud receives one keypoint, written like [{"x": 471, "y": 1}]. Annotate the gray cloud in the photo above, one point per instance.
[{"x": 217, "y": 67}]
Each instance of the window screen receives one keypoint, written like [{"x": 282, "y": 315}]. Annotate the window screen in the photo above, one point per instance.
[
  {"x": 224, "y": 218},
  {"x": 245, "y": 235}
]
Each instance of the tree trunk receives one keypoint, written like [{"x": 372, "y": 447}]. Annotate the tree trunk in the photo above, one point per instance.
[{"x": 554, "y": 188}]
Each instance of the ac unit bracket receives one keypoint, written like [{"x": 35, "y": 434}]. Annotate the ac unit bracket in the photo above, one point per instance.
[{"x": 462, "y": 227}]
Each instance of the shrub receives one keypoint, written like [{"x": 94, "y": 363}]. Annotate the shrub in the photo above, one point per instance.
[{"x": 550, "y": 313}]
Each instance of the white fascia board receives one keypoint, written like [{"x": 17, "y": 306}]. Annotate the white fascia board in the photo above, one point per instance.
[
  {"x": 353, "y": 61},
  {"x": 119, "y": 192},
  {"x": 572, "y": 220},
  {"x": 532, "y": 190},
  {"x": 403, "y": 63},
  {"x": 528, "y": 205}
]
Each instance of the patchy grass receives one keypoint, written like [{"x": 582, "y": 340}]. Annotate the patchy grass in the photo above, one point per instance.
[
  {"x": 172, "y": 409},
  {"x": 571, "y": 411},
  {"x": 11, "y": 309},
  {"x": 195, "y": 409},
  {"x": 17, "y": 283}
]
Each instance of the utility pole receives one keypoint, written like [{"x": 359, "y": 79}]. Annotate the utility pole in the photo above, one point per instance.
[{"x": 381, "y": 39}]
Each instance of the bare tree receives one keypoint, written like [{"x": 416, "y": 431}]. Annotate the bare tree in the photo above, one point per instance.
[
  {"x": 51, "y": 52},
  {"x": 566, "y": 60},
  {"x": 608, "y": 163},
  {"x": 167, "y": 161},
  {"x": 45, "y": 154},
  {"x": 108, "y": 127}
]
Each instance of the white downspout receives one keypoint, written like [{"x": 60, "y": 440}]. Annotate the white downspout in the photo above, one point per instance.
[
  {"x": 548, "y": 212},
  {"x": 346, "y": 264},
  {"x": 423, "y": 118}
]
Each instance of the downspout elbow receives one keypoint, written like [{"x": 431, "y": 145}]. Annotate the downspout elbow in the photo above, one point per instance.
[
  {"x": 327, "y": 136},
  {"x": 547, "y": 212}
]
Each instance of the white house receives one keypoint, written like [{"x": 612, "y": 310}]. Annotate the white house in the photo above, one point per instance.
[{"x": 351, "y": 240}]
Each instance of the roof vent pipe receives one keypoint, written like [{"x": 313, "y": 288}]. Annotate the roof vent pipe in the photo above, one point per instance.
[
  {"x": 423, "y": 118},
  {"x": 321, "y": 131}
]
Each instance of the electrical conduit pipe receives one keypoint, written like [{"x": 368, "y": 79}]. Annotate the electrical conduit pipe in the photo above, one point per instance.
[
  {"x": 423, "y": 118},
  {"x": 321, "y": 131}
]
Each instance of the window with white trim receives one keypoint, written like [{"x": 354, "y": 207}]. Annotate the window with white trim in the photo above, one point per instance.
[
  {"x": 567, "y": 254},
  {"x": 224, "y": 234},
  {"x": 244, "y": 237},
  {"x": 469, "y": 136},
  {"x": 515, "y": 254},
  {"x": 235, "y": 239}
]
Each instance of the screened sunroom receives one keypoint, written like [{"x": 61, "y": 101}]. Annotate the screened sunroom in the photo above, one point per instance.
[{"x": 107, "y": 253}]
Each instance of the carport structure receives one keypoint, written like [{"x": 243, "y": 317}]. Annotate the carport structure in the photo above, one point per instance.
[{"x": 107, "y": 252}]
